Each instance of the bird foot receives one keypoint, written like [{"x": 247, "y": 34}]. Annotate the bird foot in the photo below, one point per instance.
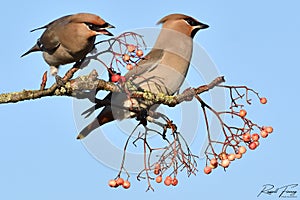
[{"x": 59, "y": 81}]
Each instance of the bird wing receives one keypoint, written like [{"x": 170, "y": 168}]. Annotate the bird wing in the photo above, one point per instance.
[
  {"x": 49, "y": 41},
  {"x": 150, "y": 62}
]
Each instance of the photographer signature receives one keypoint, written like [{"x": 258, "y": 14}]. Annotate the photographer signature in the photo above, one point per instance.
[{"x": 287, "y": 191}]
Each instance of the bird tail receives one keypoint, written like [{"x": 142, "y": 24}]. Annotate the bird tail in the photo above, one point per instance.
[
  {"x": 104, "y": 117},
  {"x": 33, "y": 49},
  {"x": 39, "y": 28}
]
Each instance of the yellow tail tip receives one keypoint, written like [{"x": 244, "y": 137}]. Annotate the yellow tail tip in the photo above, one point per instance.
[{"x": 80, "y": 136}]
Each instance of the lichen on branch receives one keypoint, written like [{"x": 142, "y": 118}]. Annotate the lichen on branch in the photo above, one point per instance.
[{"x": 75, "y": 87}]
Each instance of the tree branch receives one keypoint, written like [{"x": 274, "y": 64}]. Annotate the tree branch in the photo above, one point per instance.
[{"x": 77, "y": 87}]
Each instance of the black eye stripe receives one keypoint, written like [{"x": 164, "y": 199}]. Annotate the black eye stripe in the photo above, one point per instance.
[
  {"x": 191, "y": 22},
  {"x": 96, "y": 27}
]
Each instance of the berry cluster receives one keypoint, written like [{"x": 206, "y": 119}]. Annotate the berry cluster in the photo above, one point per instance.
[
  {"x": 125, "y": 50},
  {"x": 237, "y": 139},
  {"x": 130, "y": 58},
  {"x": 159, "y": 178},
  {"x": 119, "y": 182},
  {"x": 224, "y": 159}
]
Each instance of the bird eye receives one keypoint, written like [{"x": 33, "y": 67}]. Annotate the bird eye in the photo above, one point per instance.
[
  {"x": 191, "y": 22},
  {"x": 92, "y": 26}
]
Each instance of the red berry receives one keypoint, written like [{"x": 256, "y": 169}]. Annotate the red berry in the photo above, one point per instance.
[
  {"x": 231, "y": 157},
  {"x": 120, "y": 181},
  {"x": 112, "y": 183},
  {"x": 126, "y": 184},
  {"x": 223, "y": 156},
  {"x": 174, "y": 181},
  {"x": 252, "y": 145},
  {"x": 263, "y": 100},
  {"x": 255, "y": 137},
  {"x": 115, "y": 78},
  {"x": 246, "y": 137},
  {"x": 126, "y": 57},
  {"x": 156, "y": 171},
  {"x": 212, "y": 166},
  {"x": 214, "y": 162},
  {"x": 158, "y": 179},
  {"x": 242, "y": 149},
  {"x": 243, "y": 113},
  {"x": 139, "y": 53},
  {"x": 168, "y": 181},
  {"x": 225, "y": 163},
  {"x": 207, "y": 170},
  {"x": 269, "y": 129},
  {"x": 131, "y": 48},
  {"x": 129, "y": 67},
  {"x": 264, "y": 134},
  {"x": 238, "y": 155}
]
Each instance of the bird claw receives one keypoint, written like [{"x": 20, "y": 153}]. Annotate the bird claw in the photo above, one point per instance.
[{"x": 59, "y": 81}]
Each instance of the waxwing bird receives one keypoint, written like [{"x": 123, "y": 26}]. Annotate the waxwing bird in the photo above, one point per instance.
[
  {"x": 69, "y": 39},
  {"x": 163, "y": 70}
]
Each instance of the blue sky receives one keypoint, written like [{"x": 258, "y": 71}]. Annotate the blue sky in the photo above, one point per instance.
[{"x": 254, "y": 43}]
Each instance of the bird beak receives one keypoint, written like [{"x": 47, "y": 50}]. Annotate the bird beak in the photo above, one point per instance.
[
  {"x": 109, "y": 26},
  {"x": 197, "y": 27},
  {"x": 103, "y": 30},
  {"x": 201, "y": 26}
]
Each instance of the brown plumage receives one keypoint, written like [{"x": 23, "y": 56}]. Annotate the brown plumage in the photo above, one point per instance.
[
  {"x": 163, "y": 70},
  {"x": 69, "y": 39}
]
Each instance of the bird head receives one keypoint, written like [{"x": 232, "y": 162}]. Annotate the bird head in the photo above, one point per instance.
[
  {"x": 95, "y": 24},
  {"x": 182, "y": 23}
]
